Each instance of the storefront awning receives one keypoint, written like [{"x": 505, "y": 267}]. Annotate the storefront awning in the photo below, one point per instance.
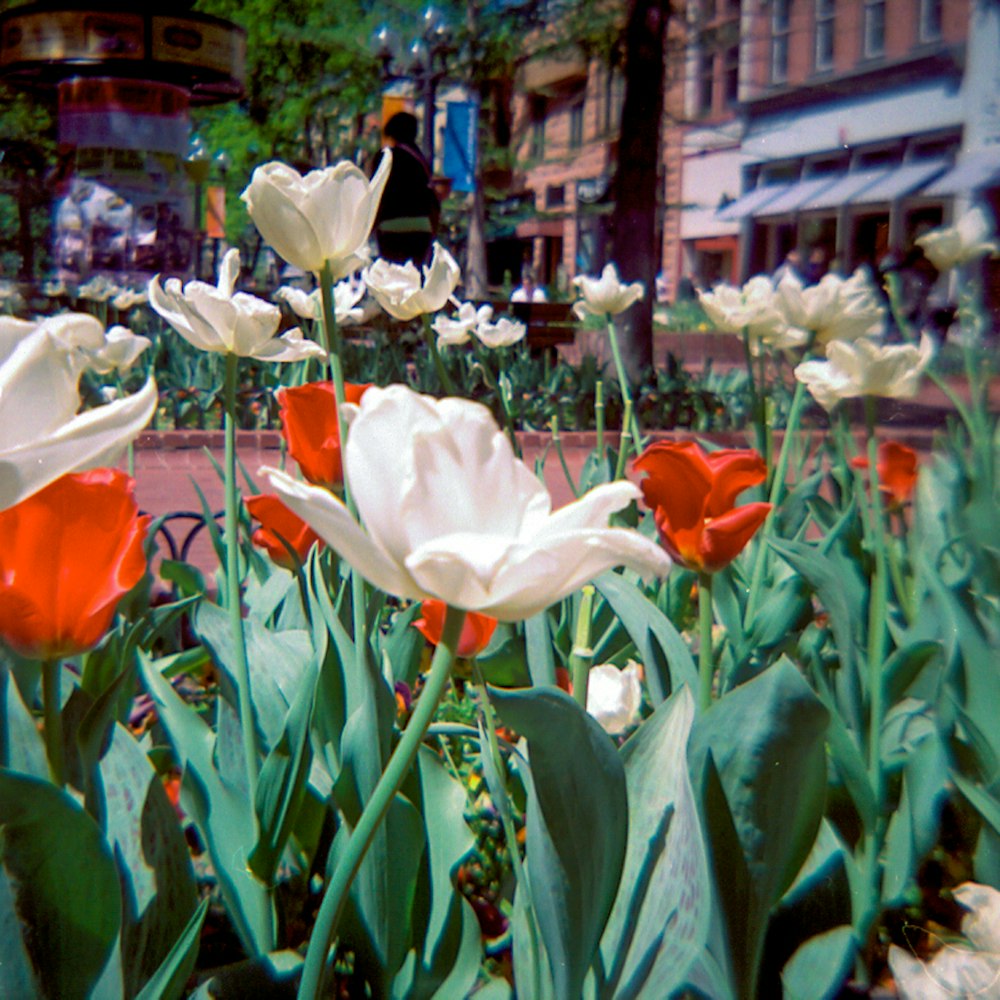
[
  {"x": 845, "y": 189},
  {"x": 752, "y": 203},
  {"x": 901, "y": 181},
  {"x": 796, "y": 196},
  {"x": 971, "y": 173}
]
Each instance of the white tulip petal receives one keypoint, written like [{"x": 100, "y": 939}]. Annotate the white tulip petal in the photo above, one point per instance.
[
  {"x": 38, "y": 390},
  {"x": 290, "y": 346},
  {"x": 94, "y": 438},
  {"x": 330, "y": 519},
  {"x": 12, "y": 332}
]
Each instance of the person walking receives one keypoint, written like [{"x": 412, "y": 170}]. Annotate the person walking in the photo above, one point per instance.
[{"x": 408, "y": 215}]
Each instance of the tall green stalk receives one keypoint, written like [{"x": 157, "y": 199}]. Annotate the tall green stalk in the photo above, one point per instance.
[
  {"x": 52, "y": 710},
  {"x": 494, "y": 384},
  {"x": 633, "y": 423},
  {"x": 331, "y": 343},
  {"x": 442, "y": 373},
  {"x": 233, "y": 593},
  {"x": 706, "y": 658},
  {"x": 349, "y": 862},
  {"x": 582, "y": 656}
]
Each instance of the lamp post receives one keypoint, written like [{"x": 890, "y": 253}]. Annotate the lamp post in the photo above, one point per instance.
[
  {"x": 197, "y": 166},
  {"x": 425, "y": 63}
]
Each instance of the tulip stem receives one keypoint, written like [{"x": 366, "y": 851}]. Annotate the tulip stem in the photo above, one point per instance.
[
  {"x": 599, "y": 416},
  {"x": 706, "y": 663},
  {"x": 625, "y": 390},
  {"x": 331, "y": 338},
  {"x": 777, "y": 495},
  {"x": 877, "y": 609},
  {"x": 756, "y": 405},
  {"x": 442, "y": 373},
  {"x": 51, "y": 670},
  {"x": 349, "y": 862},
  {"x": 582, "y": 657},
  {"x": 624, "y": 442},
  {"x": 494, "y": 384},
  {"x": 507, "y": 818},
  {"x": 233, "y": 596}
]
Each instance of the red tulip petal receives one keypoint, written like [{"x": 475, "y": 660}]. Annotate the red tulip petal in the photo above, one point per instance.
[
  {"x": 477, "y": 629},
  {"x": 277, "y": 523},
  {"x": 733, "y": 471},
  {"x": 677, "y": 483},
  {"x": 897, "y": 470},
  {"x": 309, "y": 425},
  {"x": 725, "y": 537},
  {"x": 68, "y": 554}
]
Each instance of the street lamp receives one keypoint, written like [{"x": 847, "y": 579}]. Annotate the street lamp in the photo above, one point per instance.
[
  {"x": 197, "y": 166},
  {"x": 424, "y": 64}
]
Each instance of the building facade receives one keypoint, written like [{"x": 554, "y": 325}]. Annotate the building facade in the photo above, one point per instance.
[{"x": 840, "y": 128}]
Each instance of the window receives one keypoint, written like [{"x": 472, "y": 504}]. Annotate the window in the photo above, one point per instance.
[
  {"x": 576, "y": 125},
  {"x": 930, "y": 20},
  {"x": 555, "y": 196},
  {"x": 706, "y": 80},
  {"x": 614, "y": 94},
  {"x": 538, "y": 111},
  {"x": 731, "y": 79},
  {"x": 874, "y": 28},
  {"x": 780, "y": 25},
  {"x": 825, "y": 14}
]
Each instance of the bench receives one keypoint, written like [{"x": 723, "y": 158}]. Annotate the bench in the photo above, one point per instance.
[{"x": 549, "y": 323}]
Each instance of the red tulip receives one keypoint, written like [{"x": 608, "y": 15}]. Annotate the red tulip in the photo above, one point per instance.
[
  {"x": 68, "y": 554},
  {"x": 277, "y": 522},
  {"x": 309, "y": 425},
  {"x": 692, "y": 496},
  {"x": 896, "y": 466},
  {"x": 477, "y": 629}
]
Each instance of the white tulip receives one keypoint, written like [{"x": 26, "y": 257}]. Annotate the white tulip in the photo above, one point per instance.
[
  {"x": 834, "y": 309},
  {"x": 12, "y": 332},
  {"x": 42, "y": 437},
  {"x": 752, "y": 308},
  {"x": 864, "y": 368},
  {"x": 458, "y": 330},
  {"x": 309, "y": 305},
  {"x": 502, "y": 333},
  {"x": 614, "y": 696},
  {"x": 324, "y": 217},
  {"x": 450, "y": 513},
  {"x": 957, "y": 970},
  {"x": 401, "y": 291},
  {"x": 98, "y": 289},
  {"x": 966, "y": 240},
  {"x": 605, "y": 296},
  {"x": 120, "y": 350},
  {"x": 213, "y": 318},
  {"x": 129, "y": 298}
]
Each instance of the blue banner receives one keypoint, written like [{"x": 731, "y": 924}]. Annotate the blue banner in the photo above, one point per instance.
[{"x": 460, "y": 144}]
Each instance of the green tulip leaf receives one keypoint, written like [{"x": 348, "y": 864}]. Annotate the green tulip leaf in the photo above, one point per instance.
[
  {"x": 22, "y": 748},
  {"x": 661, "y": 649},
  {"x": 447, "y": 952},
  {"x": 219, "y": 808},
  {"x": 660, "y": 919},
  {"x": 169, "y": 979},
  {"x": 818, "y": 969},
  {"x": 65, "y": 884},
  {"x": 767, "y": 740},
  {"x": 576, "y": 826}
]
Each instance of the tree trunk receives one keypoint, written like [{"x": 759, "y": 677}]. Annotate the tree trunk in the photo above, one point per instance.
[
  {"x": 475, "y": 255},
  {"x": 637, "y": 179}
]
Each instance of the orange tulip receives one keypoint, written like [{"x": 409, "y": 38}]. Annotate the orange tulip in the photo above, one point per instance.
[
  {"x": 309, "y": 425},
  {"x": 896, "y": 466},
  {"x": 477, "y": 629},
  {"x": 68, "y": 554},
  {"x": 692, "y": 496},
  {"x": 277, "y": 522}
]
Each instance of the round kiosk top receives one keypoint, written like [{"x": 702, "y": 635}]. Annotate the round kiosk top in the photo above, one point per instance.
[{"x": 43, "y": 44}]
